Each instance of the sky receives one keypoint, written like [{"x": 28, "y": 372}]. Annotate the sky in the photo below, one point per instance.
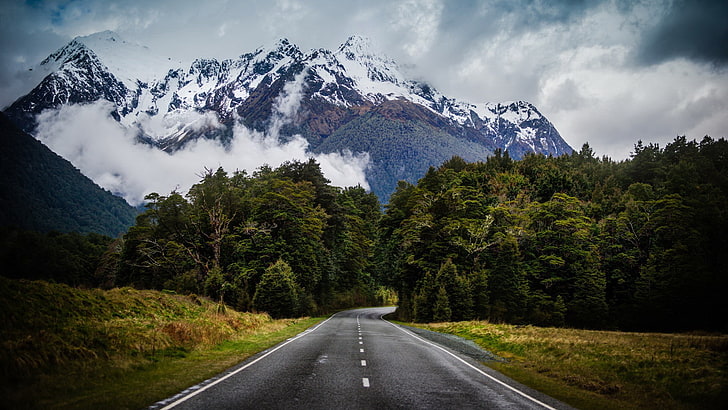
[{"x": 606, "y": 72}]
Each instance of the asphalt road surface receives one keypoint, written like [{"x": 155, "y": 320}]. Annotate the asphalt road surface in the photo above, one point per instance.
[{"x": 357, "y": 360}]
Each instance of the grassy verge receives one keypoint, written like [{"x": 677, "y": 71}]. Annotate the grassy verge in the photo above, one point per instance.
[
  {"x": 62, "y": 347},
  {"x": 607, "y": 370}
]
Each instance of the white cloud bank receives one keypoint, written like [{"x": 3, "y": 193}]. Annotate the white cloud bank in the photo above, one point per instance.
[{"x": 107, "y": 152}]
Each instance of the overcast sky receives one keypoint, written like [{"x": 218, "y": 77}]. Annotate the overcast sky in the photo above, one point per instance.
[{"x": 607, "y": 72}]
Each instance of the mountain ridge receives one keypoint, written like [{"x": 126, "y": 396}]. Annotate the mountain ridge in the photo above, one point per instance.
[{"x": 168, "y": 105}]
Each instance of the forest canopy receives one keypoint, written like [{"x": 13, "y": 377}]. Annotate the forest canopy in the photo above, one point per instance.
[
  {"x": 244, "y": 239},
  {"x": 569, "y": 241},
  {"x": 575, "y": 241}
]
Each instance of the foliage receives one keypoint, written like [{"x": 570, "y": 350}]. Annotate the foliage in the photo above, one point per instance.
[
  {"x": 277, "y": 293},
  {"x": 72, "y": 258},
  {"x": 64, "y": 347},
  {"x": 400, "y": 150},
  {"x": 573, "y": 240},
  {"x": 233, "y": 238}
]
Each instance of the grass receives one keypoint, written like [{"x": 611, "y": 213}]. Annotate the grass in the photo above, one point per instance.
[
  {"x": 607, "y": 369},
  {"x": 62, "y": 347}
]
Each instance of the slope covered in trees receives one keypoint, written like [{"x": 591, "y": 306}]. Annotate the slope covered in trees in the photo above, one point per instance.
[
  {"x": 41, "y": 191},
  {"x": 574, "y": 240}
]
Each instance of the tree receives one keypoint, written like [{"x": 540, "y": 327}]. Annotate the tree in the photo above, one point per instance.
[
  {"x": 441, "y": 312},
  {"x": 277, "y": 293},
  {"x": 507, "y": 285}
]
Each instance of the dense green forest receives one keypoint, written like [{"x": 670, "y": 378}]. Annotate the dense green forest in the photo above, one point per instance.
[
  {"x": 280, "y": 240},
  {"x": 573, "y": 241},
  {"x": 85, "y": 260},
  {"x": 568, "y": 241}
]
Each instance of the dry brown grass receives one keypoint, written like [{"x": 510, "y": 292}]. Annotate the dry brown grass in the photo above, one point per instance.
[
  {"x": 647, "y": 370},
  {"x": 67, "y": 347}
]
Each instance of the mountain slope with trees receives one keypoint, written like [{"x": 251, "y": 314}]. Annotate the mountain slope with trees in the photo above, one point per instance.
[
  {"x": 324, "y": 96},
  {"x": 41, "y": 191}
]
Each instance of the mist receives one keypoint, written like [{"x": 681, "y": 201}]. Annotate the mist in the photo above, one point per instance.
[{"x": 108, "y": 153}]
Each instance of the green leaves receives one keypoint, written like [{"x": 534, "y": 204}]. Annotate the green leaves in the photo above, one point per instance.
[
  {"x": 573, "y": 240},
  {"x": 230, "y": 230},
  {"x": 277, "y": 293}
]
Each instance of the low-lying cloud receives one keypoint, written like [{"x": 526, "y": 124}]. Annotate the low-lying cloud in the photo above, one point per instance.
[{"x": 109, "y": 154}]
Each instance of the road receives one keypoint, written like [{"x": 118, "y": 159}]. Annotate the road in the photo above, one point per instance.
[{"x": 357, "y": 360}]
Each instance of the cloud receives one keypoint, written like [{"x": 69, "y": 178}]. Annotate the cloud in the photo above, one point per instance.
[
  {"x": 108, "y": 153},
  {"x": 161, "y": 126},
  {"x": 420, "y": 20},
  {"x": 599, "y": 69},
  {"x": 691, "y": 29},
  {"x": 652, "y": 104},
  {"x": 287, "y": 103}
]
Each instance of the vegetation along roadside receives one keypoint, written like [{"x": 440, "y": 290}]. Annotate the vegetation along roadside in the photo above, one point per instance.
[
  {"x": 63, "y": 347},
  {"x": 604, "y": 369}
]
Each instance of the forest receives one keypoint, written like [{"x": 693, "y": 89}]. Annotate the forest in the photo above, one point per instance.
[
  {"x": 573, "y": 241},
  {"x": 576, "y": 241}
]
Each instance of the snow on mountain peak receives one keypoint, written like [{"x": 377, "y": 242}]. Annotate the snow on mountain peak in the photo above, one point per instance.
[
  {"x": 158, "y": 90},
  {"x": 95, "y": 39},
  {"x": 375, "y": 75},
  {"x": 356, "y": 45},
  {"x": 128, "y": 62},
  {"x": 287, "y": 48}
]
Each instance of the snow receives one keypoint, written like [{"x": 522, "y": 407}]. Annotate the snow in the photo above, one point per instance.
[
  {"x": 157, "y": 82},
  {"x": 128, "y": 62}
]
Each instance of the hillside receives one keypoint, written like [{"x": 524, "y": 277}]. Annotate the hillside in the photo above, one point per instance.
[{"x": 41, "y": 191}]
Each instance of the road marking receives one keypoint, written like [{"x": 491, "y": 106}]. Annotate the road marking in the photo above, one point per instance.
[
  {"x": 361, "y": 350},
  {"x": 365, "y": 382},
  {"x": 359, "y": 337},
  {"x": 363, "y": 363},
  {"x": 233, "y": 373},
  {"x": 533, "y": 399},
  {"x": 361, "y": 343}
]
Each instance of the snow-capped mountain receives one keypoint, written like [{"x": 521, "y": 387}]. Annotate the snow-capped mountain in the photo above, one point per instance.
[{"x": 328, "y": 97}]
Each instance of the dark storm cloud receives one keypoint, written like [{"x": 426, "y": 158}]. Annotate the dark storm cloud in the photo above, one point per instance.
[
  {"x": 695, "y": 30},
  {"x": 475, "y": 19}
]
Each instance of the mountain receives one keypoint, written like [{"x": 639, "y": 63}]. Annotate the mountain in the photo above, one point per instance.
[
  {"x": 352, "y": 99},
  {"x": 41, "y": 191}
]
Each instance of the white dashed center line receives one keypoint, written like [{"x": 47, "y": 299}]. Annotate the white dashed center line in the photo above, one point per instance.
[
  {"x": 363, "y": 363},
  {"x": 365, "y": 382}
]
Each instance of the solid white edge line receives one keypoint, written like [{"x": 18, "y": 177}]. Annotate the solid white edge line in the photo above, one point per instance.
[
  {"x": 236, "y": 371},
  {"x": 533, "y": 399}
]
